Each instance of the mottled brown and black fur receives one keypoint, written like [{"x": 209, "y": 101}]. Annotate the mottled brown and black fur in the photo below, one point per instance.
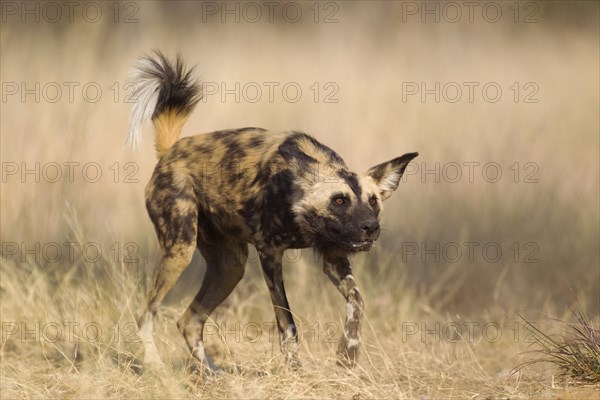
[{"x": 219, "y": 192}]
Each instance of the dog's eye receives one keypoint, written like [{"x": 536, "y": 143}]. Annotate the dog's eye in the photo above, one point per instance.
[
  {"x": 339, "y": 200},
  {"x": 373, "y": 201}
]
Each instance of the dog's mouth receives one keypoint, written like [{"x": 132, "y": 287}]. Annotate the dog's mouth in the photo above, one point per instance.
[
  {"x": 364, "y": 245},
  {"x": 346, "y": 243}
]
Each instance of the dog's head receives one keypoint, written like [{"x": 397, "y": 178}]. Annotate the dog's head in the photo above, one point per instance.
[{"x": 340, "y": 212}]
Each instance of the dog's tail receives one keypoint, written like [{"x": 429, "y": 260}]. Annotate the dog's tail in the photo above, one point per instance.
[{"x": 166, "y": 93}]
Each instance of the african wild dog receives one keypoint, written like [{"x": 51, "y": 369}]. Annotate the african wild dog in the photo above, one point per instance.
[{"x": 221, "y": 191}]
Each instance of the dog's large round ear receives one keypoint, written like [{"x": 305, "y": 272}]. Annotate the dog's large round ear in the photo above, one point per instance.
[{"x": 387, "y": 175}]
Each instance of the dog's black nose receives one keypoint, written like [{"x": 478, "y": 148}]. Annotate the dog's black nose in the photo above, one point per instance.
[{"x": 370, "y": 227}]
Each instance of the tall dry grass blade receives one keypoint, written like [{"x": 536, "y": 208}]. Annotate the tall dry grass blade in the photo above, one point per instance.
[{"x": 576, "y": 352}]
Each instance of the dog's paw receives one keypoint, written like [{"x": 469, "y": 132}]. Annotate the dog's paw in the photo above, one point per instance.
[
  {"x": 152, "y": 360},
  {"x": 293, "y": 362},
  {"x": 347, "y": 353}
]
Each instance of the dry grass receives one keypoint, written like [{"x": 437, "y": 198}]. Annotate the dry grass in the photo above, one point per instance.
[
  {"x": 576, "y": 352},
  {"x": 396, "y": 363},
  {"x": 431, "y": 327}
]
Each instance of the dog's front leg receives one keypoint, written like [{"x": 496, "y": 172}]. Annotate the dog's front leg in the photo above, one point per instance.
[
  {"x": 339, "y": 272},
  {"x": 270, "y": 260}
]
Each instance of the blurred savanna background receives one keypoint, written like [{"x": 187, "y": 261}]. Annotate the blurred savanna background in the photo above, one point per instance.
[{"x": 492, "y": 234}]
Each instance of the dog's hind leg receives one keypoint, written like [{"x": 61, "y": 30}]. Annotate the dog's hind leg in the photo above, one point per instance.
[
  {"x": 170, "y": 268},
  {"x": 176, "y": 226},
  {"x": 225, "y": 263}
]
